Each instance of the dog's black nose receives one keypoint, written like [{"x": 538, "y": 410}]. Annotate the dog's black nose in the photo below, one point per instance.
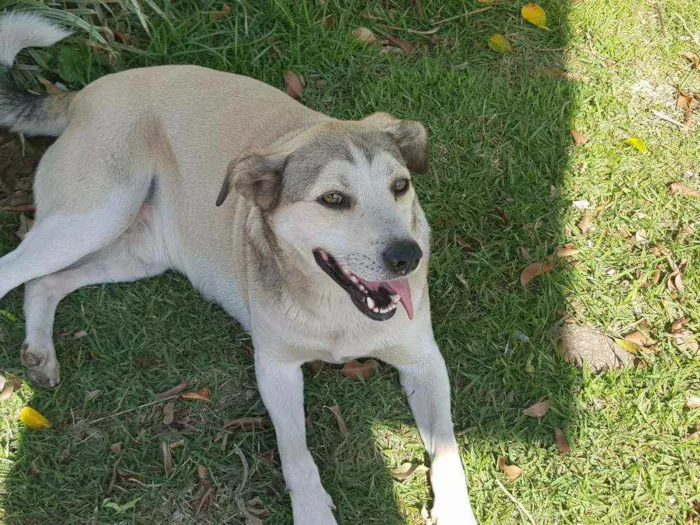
[{"x": 402, "y": 257}]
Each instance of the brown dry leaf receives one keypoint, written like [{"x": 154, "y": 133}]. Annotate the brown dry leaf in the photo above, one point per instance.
[
  {"x": 523, "y": 252},
  {"x": 579, "y": 138},
  {"x": 25, "y": 225},
  {"x": 533, "y": 270},
  {"x": 404, "y": 46},
  {"x": 365, "y": 35},
  {"x": 538, "y": 409},
  {"x": 246, "y": 423},
  {"x": 692, "y": 401},
  {"x": 512, "y": 472},
  {"x": 356, "y": 370},
  {"x": 292, "y": 85},
  {"x": 563, "y": 251},
  {"x": 92, "y": 394},
  {"x": 218, "y": 15},
  {"x": 463, "y": 243},
  {"x": 200, "y": 395},
  {"x": 685, "y": 101},
  {"x": 406, "y": 470},
  {"x": 562, "y": 443},
  {"x": 50, "y": 87},
  {"x": 339, "y": 418},
  {"x": 176, "y": 444},
  {"x": 80, "y": 334},
  {"x": 685, "y": 341},
  {"x": 173, "y": 391},
  {"x": 202, "y": 476},
  {"x": 637, "y": 337},
  {"x": 679, "y": 188},
  {"x": 693, "y": 59},
  {"x": 167, "y": 458},
  {"x": 116, "y": 447},
  {"x": 585, "y": 223},
  {"x": 168, "y": 411},
  {"x": 675, "y": 282},
  {"x": 678, "y": 325},
  {"x": 558, "y": 73},
  {"x": 656, "y": 275},
  {"x": 256, "y": 506},
  {"x": 502, "y": 214}
]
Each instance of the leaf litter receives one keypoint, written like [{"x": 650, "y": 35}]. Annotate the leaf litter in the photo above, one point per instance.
[{"x": 512, "y": 472}]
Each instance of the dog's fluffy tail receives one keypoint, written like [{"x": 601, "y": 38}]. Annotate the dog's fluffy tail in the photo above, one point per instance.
[{"x": 22, "y": 111}]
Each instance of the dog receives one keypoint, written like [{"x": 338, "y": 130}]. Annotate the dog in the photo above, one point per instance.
[{"x": 315, "y": 242}]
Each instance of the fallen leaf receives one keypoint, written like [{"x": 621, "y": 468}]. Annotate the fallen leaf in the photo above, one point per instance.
[
  {"x": 637, "y": 144},
  {"x": 560, "y": 439},
  {"x": 512, "y": 472},
  {"x": 365, "y": 35},
  {"x": 502, "y": 214},
  {"x": 200, "y": 395},
  {"x": 256, "y": 506},
  {"x": 50, "y": 87},
  {"x": 328, "y": 21},
  {"x": 25, "y": 225},
  {"x": 533, "y": 270},
  {"x": 692, "y": 401},
  {"x": 463, "y": 243},
  {"x": 693, "y": 59},
  {"x": 558, "y": 73},
  {"x": 675, "y": 282},
  {"x": 357, "y": 370},
  {"x": 500, "y": 43},
  {"x": 92, "y": 394},
  {"x": 637, "y": 337},
  {"x": 246, "y": 423},
  {"x": 406, "y": 470},
  {"x": 629, "y": 346},
  {"x": 538, "y": 409},
  {"x": 218, "y": 15},
  {"x": 563, "y": 251},
  {"x": 173, "y": 391},
  {"x": 176, "y": 444},
  {"x": 656, "y": 275},
  {"x": 579, "y": 138},
  {"x": 80, "y": 334},
  {"x": 685, "y": 101},
  {"x": 167, "y": 458},
  {"x": 404, "y": 46},
  {"x": 292, "y": 85},
  {"x": 523, "y": 252},
  {"x": 686, "y": 342},
  {"x": 678, "y": 325},
  {"x": 11, "y": 386},
  {"x": 168, "y": 411},
  {"x": 339, "y": 418},
  {"x": 33, "y": 419},
  {"x": 584, "y": 225},
  {"x": 116, "y": 447},
  {"x": 534, "y": 14},
  {"x": 679, "y": 188}
]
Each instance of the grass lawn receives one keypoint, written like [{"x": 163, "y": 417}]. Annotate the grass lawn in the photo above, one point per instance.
[{"x": 504, "y": 177}]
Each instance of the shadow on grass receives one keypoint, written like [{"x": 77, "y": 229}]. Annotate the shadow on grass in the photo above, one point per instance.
[{"x": 500, "y": 133}]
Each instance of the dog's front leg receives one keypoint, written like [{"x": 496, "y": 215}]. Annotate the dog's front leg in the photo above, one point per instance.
[
  {"x": 427, "y": 387},
  {"x": 281, "y": 386}
]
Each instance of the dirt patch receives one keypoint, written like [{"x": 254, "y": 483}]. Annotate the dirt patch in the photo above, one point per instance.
[{"x": 18, "y": 161}]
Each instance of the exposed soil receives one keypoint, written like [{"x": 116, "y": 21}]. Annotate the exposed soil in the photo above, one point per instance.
[{"x": 18, "y": 161}]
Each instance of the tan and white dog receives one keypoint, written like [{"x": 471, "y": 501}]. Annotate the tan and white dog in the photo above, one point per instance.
[{"x": 316, "y": 243}]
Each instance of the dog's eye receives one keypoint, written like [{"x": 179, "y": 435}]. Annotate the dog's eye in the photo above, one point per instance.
[
  {"x": 400, "y": 186},
  {"x": 334, "y": 199}
]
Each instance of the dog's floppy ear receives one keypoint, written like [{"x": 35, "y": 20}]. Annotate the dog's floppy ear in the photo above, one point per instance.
[
  {"x": 409, "y": 135},
  {"x": 257, "y": 176}
]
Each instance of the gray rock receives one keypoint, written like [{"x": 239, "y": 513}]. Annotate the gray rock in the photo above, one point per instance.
[{"x": 584, "y": 346}]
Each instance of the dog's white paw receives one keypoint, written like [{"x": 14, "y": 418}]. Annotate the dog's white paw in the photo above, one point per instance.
[
  {"x": 313, "y": 508},
  {"x": 42, "y": 366}
]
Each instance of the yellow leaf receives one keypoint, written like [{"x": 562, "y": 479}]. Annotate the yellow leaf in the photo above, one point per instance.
[
  {"x": 535, "y": 15},
  {"x": 629, "y": 346},
  {"x": 500, "y": 43},
  {"x": 637, "y": 144},
  {"x": 33, "y": 419}
]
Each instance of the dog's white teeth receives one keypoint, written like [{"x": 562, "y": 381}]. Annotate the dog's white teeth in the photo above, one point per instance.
[
  {"x": 383, "y": 310},
  {"x": 345, "y": 271},
  {"x": 362, "y": 288},
  {"x": 324, "y": 255},
  {"x": 395, "y": 298},
  {"x": 392, "y": 306},
  {"x": 375, "y": 310},
  {"x": 354, "y": 279},
  {"x": 370, "y": 303}
]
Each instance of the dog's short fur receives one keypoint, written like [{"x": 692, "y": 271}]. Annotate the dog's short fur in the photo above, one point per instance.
[{"x": 129, "y": 190}]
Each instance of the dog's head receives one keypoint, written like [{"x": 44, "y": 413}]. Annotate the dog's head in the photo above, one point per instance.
[{"x": 340, "y": 198}]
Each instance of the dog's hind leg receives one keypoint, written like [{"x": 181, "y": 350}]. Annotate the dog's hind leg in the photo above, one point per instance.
[
  {"x": 76, "y": 216},
  {"x": 135, "y": 255}
]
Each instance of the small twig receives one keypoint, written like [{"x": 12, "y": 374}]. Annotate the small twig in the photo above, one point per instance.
[
  {"x": 664, "y": 116},
  {"x": 131, "y": 409},
  {"x": 660, "y": 13},
  {"x": 690, "y": 33},
  {"x": 517, "y": 503},
  {"x": 470, "y": 13}
]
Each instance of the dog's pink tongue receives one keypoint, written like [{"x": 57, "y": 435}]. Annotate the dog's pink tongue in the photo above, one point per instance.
[{"x": 403, "y": 288}]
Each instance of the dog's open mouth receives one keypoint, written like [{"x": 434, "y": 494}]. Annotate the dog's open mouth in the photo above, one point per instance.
[{"x": 377, "y": 300}]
